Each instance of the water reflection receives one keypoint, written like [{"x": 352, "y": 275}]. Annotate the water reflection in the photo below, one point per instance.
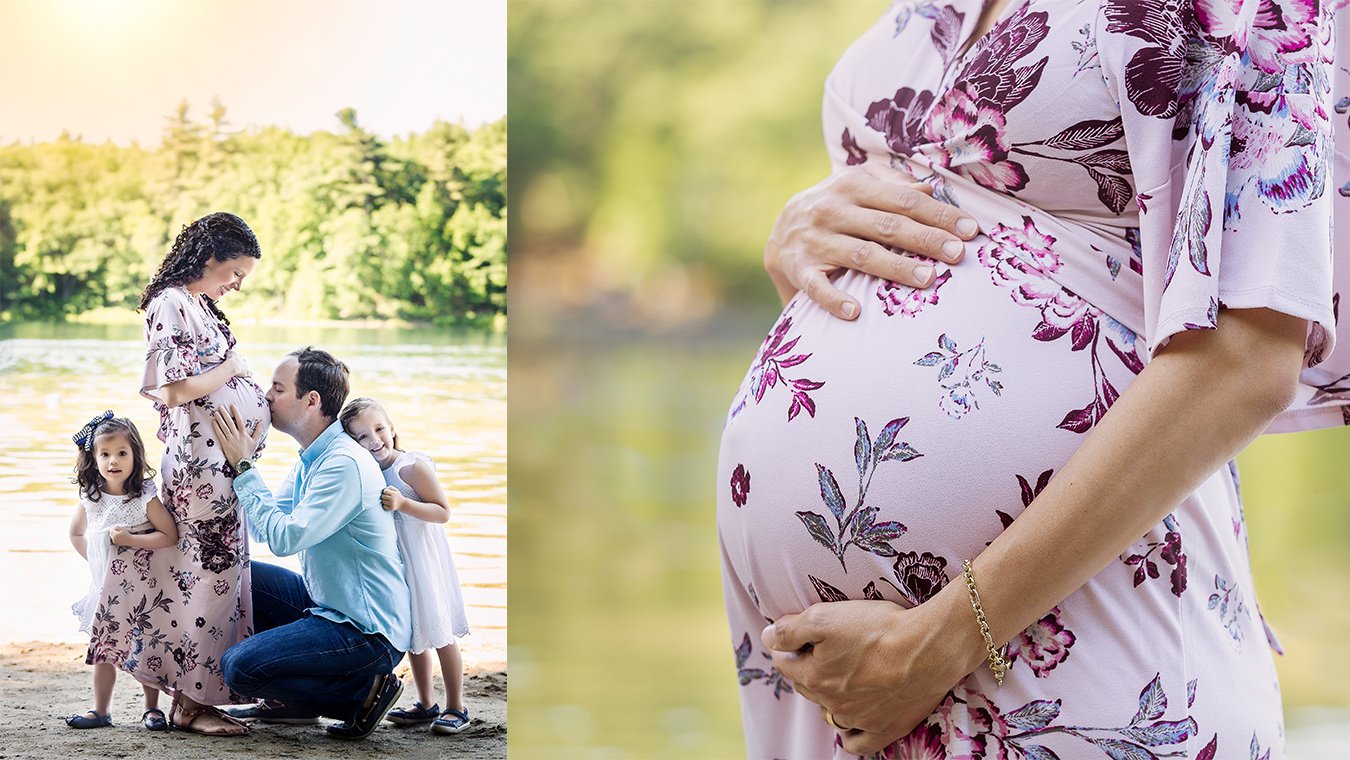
[{"x": 445, "y": 390}]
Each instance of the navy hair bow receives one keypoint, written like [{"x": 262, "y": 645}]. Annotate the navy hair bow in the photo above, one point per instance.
[{"x": 85, "y": 438}]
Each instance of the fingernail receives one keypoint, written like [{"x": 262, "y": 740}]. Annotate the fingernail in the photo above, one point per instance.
[
  {"x": 967, "y": 227},
  {"x": 766, "y": 636},
  {"x": 922, "y": 274},
  {"x": 848, "y": 310},
  {"x": 953, "y": 248}
]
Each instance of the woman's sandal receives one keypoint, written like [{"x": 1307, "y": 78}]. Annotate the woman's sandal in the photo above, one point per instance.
[
  {"x": 84, "y": 721},
  {"x": 154, "y": 720},
  {"x": 190, "y": 716}
]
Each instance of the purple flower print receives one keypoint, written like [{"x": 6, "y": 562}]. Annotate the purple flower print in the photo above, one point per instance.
[
  {"x": 856, "y": 155},
  {"x": 923, "y": 743},
  {"x": 740, "y": 485},
  {"x": 1169, "y": 551},
  {"x": 1043, "y": 645},
  {"x": 973, "y": 727},
  {"x": 774, "y": 357},
  {"x": 907, "y": 301},
  {"x": 969, "y": 137},
  {"x": 918, "y": 577},
  {"x": 220, "y": 587},
  {"x": 153, "y": 662},
  {"x": 118, "y": 567},
  {"x": 900, "y": 119}
]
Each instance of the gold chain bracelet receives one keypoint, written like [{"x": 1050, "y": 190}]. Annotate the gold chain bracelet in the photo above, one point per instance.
[{"x": 997, "y": 662}]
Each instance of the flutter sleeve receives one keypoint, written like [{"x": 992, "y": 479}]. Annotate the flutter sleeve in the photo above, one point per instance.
[
  {"x": 171, "y": 342},
  {"x": 1227, "y": 111}
]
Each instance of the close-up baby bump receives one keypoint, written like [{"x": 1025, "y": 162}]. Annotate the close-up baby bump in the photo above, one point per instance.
[{"x": 869, "y": 458}]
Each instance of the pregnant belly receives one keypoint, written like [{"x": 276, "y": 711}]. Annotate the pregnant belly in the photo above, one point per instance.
[
  {"x": 869, "y": 458},
  {"x": 245, "y": 395}
]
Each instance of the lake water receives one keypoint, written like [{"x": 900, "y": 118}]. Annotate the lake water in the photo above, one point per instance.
[
  {"x": 619, "y": 644},
  {"x": 445, "y": 392}
]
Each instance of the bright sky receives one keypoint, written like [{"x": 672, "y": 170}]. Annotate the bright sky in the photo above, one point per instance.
[{"x": 114, "y": 69}]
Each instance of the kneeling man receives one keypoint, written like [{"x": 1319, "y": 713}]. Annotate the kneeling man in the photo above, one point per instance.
[{"x": 325, "y": 644}]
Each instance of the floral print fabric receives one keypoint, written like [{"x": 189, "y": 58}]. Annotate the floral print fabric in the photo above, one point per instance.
[
  {"x": 167, "y": 615},
  {"x": 1135, "y": 168}
]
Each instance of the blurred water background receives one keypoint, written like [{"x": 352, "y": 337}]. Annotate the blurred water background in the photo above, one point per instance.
[
  {"x": 445, "y": 391},
  {"x": 652, "y": 146}
]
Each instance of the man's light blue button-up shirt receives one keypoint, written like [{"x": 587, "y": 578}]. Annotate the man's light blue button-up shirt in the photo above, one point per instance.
[{"x": 329, "y": 511}]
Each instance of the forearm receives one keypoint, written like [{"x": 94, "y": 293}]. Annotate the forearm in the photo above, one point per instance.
[
  {"x": 198, "y": 386},
  {"x": 1188, "y": 413},
  {"x": 81, "y": 545},
  {"x": 153, "y": 540},
  {"x": 429, "y": 511}
]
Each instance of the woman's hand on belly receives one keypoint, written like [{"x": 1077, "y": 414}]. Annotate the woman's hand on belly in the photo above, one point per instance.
[
  {"x": 848, "y": 220},
  {"x": 879, "y": 668}
]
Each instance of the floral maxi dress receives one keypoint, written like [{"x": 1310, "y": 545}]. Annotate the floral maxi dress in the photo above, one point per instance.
[
  {"x": 1136, "y": 167},
  {"x": 167, "y": 615}
]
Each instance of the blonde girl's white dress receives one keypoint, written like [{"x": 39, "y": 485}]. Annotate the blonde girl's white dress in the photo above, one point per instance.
[
  {"x": 437, "y": 604},
  {"x": 100, "y": 517}
]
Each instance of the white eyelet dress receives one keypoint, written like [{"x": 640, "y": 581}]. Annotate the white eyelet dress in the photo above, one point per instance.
[
  {"x": 437, "y": 604},
  {"x": 102, "y": 516}
]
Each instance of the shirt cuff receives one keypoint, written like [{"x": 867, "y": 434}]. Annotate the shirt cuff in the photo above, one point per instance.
[{"x": 248, "y": 483}]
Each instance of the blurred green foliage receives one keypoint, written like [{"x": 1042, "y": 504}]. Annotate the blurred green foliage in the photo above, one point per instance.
[
  {"x": 351, "y": 226},
  {"x": 661, "y": 139}
]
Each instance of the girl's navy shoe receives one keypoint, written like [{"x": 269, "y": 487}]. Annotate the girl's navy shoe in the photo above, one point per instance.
[
  {"x": 415, "y": 715},
  {"x": 84, "y": 721},
  {"x": 451, "y": 722}
]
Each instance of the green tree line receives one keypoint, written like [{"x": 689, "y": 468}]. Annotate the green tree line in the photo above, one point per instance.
[{"x": 351, "y": 226}]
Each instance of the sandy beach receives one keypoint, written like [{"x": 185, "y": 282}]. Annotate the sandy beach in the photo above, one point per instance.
[{"x": 44, "y": 682}]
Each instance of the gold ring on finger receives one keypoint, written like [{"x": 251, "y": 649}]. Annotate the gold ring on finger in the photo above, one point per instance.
[{"x": 829, "y": 718}]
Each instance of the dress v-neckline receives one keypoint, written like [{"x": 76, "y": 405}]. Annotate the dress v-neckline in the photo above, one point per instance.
[{"x": 973, "y": 40}]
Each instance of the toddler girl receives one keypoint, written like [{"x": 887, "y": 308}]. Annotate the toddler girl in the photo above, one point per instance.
[
  {"x": 420, "y": 507},
  {"x": 118, "y": 507}
]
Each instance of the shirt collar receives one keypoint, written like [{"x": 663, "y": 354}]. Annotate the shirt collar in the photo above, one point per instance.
[{"x": 309, "y": 454}]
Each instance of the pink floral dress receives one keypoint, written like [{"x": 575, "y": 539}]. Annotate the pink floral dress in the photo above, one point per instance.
[
  {"x": 167, "y": 615},
  {"x": 1136, "y": 167}
]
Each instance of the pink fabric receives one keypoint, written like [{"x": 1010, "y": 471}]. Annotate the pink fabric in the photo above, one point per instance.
[
  {"x": 166, "y": 616},
  {"x": 1134, "y": 169}
]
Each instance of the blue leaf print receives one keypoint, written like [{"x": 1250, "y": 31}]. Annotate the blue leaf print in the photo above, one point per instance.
[
  {"x": 743, "y": 651},
  {"x": 829, "y": 492},
  {"x": 862, "y": 449},
  {"x": 1190, "y": 687},
  {"x": 826, "y": 592},
  {"x": 1038, "y": 752},
  {"x": 1152, "y": 701},
  {"x": 1163, "y": 732},
  {"x": 887, "y": 437},
  {"x": 1117, "y": 749},
  {"x": 818, "y": 528},
  {"x": 1034, "y": 715},
  {"x": 930, "y": 359},
  {"x": 947, "y": 343},
  {"x": 948, "y": 367}
]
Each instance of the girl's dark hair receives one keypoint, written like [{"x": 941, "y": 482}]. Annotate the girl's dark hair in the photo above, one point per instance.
[
  {"x": 87, "y": 476},
  {"x": 356, "y": 407},
  {"x": 221, "y": 236}
]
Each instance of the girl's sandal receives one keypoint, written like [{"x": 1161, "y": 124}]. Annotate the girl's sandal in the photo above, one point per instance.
[
  {"x": 190, "y": 716},
  {"x": 84, "y": 721},
  {"x": 154, "y": 720}
]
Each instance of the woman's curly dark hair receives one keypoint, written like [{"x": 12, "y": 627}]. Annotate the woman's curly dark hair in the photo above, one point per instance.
[
  {"x": 90, "y": 480},
  {"x": 221, "y": 236}
]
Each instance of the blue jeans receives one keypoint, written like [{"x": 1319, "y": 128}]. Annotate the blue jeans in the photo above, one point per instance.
[{"x": 302, "y": 660}]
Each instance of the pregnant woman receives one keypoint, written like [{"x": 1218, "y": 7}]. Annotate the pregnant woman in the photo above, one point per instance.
[
  {"x": 173, "y": 612},
  {"x": 1152, "y": 193}
]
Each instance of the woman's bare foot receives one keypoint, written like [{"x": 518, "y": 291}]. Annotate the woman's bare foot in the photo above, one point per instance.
[{"x": 189, "y": 715}]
